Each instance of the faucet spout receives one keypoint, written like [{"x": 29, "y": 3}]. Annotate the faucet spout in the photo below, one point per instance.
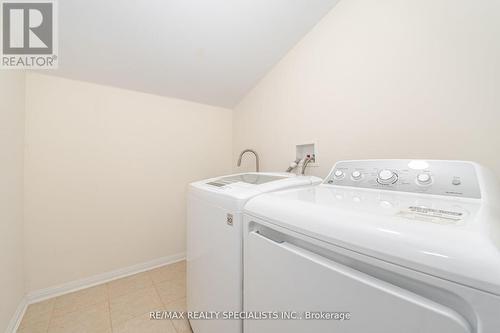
[{"x": 256, "y": 158}]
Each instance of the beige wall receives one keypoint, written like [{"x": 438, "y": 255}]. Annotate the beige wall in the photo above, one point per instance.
[
  {"x": 383, "y": 79},
  {"x": 106, "y": 173},
  {"x": 11, "y": 193}
]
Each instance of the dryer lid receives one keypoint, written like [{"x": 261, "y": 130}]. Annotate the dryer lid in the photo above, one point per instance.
[{"x": 452, "y": 238}]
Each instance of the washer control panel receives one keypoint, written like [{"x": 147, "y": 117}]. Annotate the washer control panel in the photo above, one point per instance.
[{"x": 449, "y": 178}]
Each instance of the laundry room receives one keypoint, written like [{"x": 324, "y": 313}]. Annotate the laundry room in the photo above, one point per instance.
[{"x": 250, "y": 166}]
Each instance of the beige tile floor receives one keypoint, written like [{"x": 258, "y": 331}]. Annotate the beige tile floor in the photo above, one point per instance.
[{"x": 120, "y": 306}]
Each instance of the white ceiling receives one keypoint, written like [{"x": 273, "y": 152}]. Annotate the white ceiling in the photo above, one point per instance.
[{"x": 208, "y": 51}]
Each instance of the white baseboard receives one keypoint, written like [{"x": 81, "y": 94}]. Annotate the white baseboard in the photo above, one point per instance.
[
  {"x": 43, "y": 294},
  {"x": 18, "y": 315}
]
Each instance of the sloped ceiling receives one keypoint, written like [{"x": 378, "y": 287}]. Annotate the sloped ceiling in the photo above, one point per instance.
[{"x": 208, "y": 51}]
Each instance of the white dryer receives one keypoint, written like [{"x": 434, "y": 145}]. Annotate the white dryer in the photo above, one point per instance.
[
  {"x": 214, "y": 243},
  {"x": 382, "y": 246}
]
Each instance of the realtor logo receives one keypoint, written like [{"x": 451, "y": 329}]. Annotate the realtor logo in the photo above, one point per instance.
[{"x": 28, "y": 34}]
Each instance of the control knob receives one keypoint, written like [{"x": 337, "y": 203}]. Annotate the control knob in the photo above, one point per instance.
[
  {"x": 356, "y": 175},
  {"x": 424, "y": 179},
  {"x": 386, "y": 177},
  {"x": 338, "y": 174}
]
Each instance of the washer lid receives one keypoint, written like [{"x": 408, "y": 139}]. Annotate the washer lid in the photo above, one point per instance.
[
  {"x": 233, "y": 191},
  {"x": 455, "y": 239},
  {"x": 247, "y": 178}
]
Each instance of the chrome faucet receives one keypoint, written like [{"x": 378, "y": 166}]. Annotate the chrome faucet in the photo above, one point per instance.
[{"x": 256, "y": 157}]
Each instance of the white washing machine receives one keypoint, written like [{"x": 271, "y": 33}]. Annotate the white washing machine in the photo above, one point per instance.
[
  {"x": 214, "y": 242},
  {"x": 389, "y": 246}
]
